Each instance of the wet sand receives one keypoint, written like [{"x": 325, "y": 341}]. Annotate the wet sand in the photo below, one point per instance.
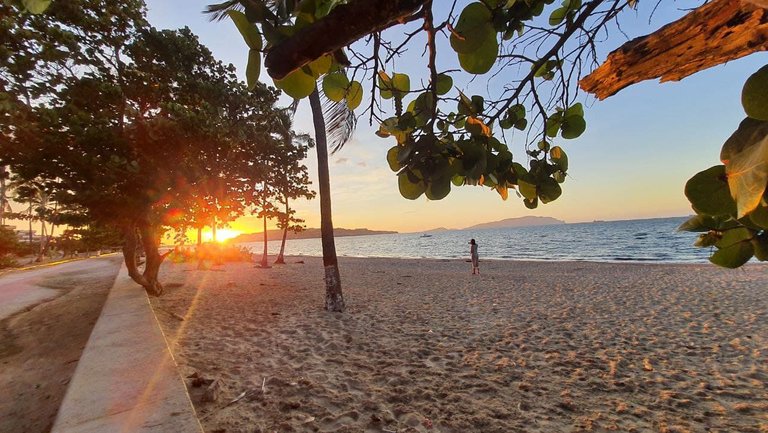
[{"x": 427, "y": 347}]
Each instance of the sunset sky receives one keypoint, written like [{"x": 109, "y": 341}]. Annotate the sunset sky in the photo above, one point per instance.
[{"x": 639, "y": 149}]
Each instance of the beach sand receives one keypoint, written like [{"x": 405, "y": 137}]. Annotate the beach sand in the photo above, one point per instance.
[{"x": 426, "y": 347}]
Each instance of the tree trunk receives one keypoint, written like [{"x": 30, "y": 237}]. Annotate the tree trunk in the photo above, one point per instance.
[
  {"x": 334, "y": 299},
  {"x": 264, "y": 262},
  {"x": 213, "y": 230},
  {"x": 130, "y": 253},
  {"x": 150, "y": 238},
  {"x": 199, "y": 236},
  {"x": 280, "y": 257},
  {"x": 150, "y": 241},
  {"x": 30, "y": 224},
  {"x": 3, "y": 199}
]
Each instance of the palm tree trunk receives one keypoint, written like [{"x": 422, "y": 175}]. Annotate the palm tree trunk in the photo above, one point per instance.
[
  {"x": 30, "y": 224},
  {"x": 199, "y": 236},
  {"x": 264, "y": 262},
  {"x": 334, "y": 299},
  {"x": 3, "y": 199},
  {"x": 213, "y": 229},
  {"x": 43, "y": 237},
  {"x": 280, "y": 257}
]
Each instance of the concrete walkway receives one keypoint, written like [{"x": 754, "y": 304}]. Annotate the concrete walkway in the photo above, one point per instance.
[
  {"x": 24, "y": 288},
  {"x": 126, "y": 379}
]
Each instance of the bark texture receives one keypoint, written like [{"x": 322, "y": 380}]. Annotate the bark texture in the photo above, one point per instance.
[
  {"x": 147, "y": 237},
  {"x": 281, "y": 256},
  {"x": 712, "y": 34},
  {"x": 334, "y": 299},
  {"x": 345, "y": 24},
  {"x": 264, "y": 261}
]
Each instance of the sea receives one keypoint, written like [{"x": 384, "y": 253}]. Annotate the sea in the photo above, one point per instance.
[{"x": 647, "y": 240}]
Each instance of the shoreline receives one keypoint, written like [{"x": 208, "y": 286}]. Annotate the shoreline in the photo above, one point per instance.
[
  {"x": 426, "y": 347},
  {"x": 752, "y": 262}
]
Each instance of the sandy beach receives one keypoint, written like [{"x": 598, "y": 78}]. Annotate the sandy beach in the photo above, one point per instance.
[{"x": 426, "y": 347}]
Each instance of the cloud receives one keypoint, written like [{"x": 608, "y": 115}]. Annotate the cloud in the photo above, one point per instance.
[
  {"x": 342, "y": 160},
  {"x": 362, "y": 164}
]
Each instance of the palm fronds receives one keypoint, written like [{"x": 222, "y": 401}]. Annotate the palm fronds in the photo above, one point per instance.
[{"x": 340, "y": 123}]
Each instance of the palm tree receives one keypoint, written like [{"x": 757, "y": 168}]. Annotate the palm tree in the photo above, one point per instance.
[
  {"x": 334, "y": 298},
  {"x": 5, "y": 205},
  {"x": 340, "y": 125}
]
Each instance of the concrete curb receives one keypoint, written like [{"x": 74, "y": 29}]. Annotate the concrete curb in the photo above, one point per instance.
[{"x": 127, "y": 379}]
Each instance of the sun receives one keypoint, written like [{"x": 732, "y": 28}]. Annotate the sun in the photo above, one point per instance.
[{"x": 223, "y": 235}]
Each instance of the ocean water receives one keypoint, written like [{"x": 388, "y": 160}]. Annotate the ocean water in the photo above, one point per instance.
[{"x": 647, "y": 240}]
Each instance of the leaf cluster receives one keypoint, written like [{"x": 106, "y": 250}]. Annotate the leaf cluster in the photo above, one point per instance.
[
  {"x": 731, "y": 200},
  {"x": 443, "y": 137}
]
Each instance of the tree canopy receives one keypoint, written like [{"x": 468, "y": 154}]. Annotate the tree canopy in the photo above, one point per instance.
[{"x": 130, "y": 126}]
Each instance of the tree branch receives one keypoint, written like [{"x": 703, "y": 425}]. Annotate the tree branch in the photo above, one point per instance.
[
  {"x": 712, "y": 34},
  {"x": 344, "y": 25}
]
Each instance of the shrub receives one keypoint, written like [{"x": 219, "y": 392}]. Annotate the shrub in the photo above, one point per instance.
[{"x": 211, "y": 251}]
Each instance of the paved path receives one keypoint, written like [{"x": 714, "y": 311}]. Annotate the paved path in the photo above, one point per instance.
[
  {"x": 24, "y": 288},
  {"x": 127, "y": 380}
]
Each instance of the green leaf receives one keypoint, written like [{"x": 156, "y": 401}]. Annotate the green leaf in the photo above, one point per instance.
[
  {"x": 386, "y": 88},
  {"x": 528, "y": 190},
  {"x": 250, "y": 33},
  {"x": 401, "y": 83},
  {"x": 557, "y": 16},
  {"x": 706, "y": 240},
  {"x": 575, "y": 110},
  {"x": 704, "y": 223},
  {"x": 354, "y": 95},
  {"x": 482, "y": 59},
  {"x": 549, "y": 190},
  {"x": 733, "y": 256},
  {"x": 411, "y": 187},
  {"x": 444, "y": 84},
  {"x": 321, "y": 65},
  {"x": 473, "y": 29},
  {"x": 734, "y": 236},
  {"x": 573, "y": 126},
  {"x": 335, "y": 86},
  {"x": 297, "y": 84},
  {"x": 553, "y": 125},
  {"x": 36, "y": 6},
  {"x": 253, "y": 69},
  {"x": 439, "y": 188},
  {"x": 708, "y": 192},
  {"x": 465, "y": 105},
  {"x": 760, "y": 247},
  {"x": 745, "y": 155},
  {"x": 754, "y": 95},
  {"x": 392, "y": 158},
  {"x": 558, "y": 156}
]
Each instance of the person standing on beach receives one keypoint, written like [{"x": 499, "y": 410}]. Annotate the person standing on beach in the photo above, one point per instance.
[{"x": 474, "y": 256}]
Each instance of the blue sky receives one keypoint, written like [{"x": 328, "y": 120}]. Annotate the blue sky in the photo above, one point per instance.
[{"x": 639, "y": 149}]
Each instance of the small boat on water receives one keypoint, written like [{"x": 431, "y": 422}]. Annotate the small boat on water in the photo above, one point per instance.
[{"x": 425, "y": 236}]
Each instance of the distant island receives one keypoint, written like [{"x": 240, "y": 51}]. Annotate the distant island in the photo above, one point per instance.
[
  {"x": 526, "y": 221},
  {"x": 310, "y": 233}
]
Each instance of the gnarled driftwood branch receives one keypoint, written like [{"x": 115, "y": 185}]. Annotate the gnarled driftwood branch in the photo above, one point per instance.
[{"x": 714, "y": 33}]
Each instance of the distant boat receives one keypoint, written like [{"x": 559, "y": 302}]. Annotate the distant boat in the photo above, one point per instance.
[{"x": 425, "y": 236}]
